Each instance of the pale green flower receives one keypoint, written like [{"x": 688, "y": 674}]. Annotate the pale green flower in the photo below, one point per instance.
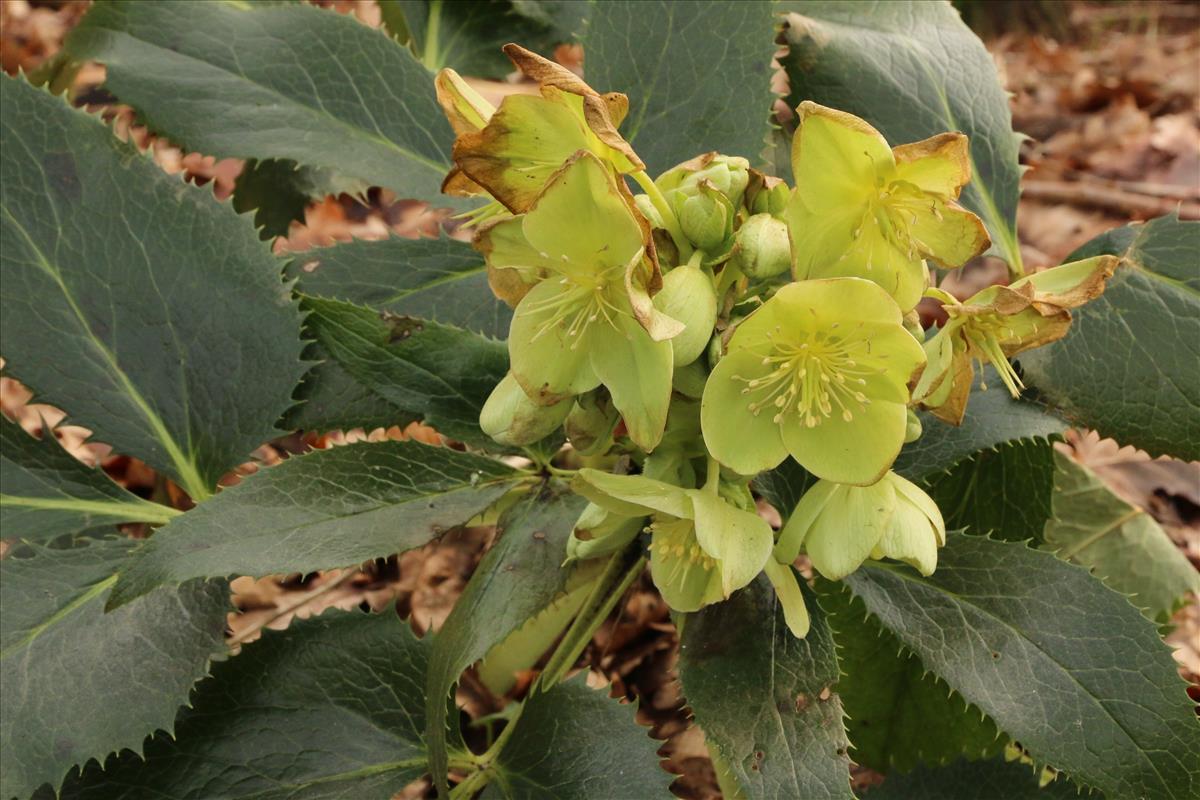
[{"x": 820, "y": 371}]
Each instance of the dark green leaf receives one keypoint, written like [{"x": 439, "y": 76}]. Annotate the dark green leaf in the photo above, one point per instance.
[
  {"x": 330, "y": 399},
  {"x": 1128, "y": 366},
  {"x": 576, "y": 743},
  {"x": 288, "y": 81},
  {"x": 279, "y": 191},
  {"x": 975, "y": 780},
  {"x": 1119, "y": 542},
  {"x": 519, "y": 576},
  {"x": 568, "y": 17},
  {"x": 79, "y": 683},
  {"x": 763, "y": 697},
  {"x": 1063, "y": 664},
  {"x": 45, "y": 492},
  {"x": 913, "y": 70},
  {"x": 442, "y": 280},
  {"x": 331, "y": 508},
  {"x": 329, "y": 709},
  {"x": 697, "y": 72},
  {"x": 442, "y": 373},
  {"x": 1004, "y": 491},
  {"x": 468, "y": 35},
  {"x": 138, "y": 303},
  {"x": 993, "y": 417},
  {"x": 898, "y": 715}
]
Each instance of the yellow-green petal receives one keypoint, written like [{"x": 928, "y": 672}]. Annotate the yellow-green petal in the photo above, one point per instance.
[
  {"x": 740, "y": 541},
  {"x": 632, "y": 495},
  {"x": 746, "y": 442},
  {"x": 637, "y": 371},
  {"x": 940, "y": 164},
  {"x": 849, "y": 527},
  {"x": 791, "y": 599},
  {"x": 802, "y": 519},
  {"x": 548, "y": 362},
  {"x": 687, "y": 578},
  {"x": 857, "y": 451}
]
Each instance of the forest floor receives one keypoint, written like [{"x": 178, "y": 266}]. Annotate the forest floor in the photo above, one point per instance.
[{"x": 1111, "y": 108}]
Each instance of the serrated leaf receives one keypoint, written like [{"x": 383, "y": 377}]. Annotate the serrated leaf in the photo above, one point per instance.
[
  {"x": 79, "y": 683},
  {"x": 329, "y": 709},
  {"x": 699, "y": 78},
  {"x": 1004, "y": 491},
  {"x": 468, "y": 36},
  {"x": 1062, "y": 663},
  {"x": 764, "y": 698},
  {"x": 576, "y": 743},
  {"x": 1120, "y": 543},
  {"x": 147, "y": 310},
  {"x": 1128, "y": 366},
  {"x": 975, "y": 780},
  {"x": 233, "y": 79},
  {"x": 330, "y": 508},
  {"x": 45, "y": 492},
  {"x": 898, "y": 715},
  {"x": 331, "y": 399},
  {"x": 442, "y": 373},
  {"x": 443, "y": 280},
  {"x": 517, "y": 578},
  {"x": 913, "y": 70}
]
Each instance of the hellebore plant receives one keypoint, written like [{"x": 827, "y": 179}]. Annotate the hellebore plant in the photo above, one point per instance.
[{"x": 695, "y": 372}]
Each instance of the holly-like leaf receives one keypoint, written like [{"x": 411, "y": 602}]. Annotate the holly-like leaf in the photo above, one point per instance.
[
  {"x": 79, "y": 683},
  {"x": 764, "y": 698},
  {"x": 1117, "y": 541},
  {"x": 576, "y": 743},
  {"x": 1128, "y": 366},
  {"x": 898, "y": 715},
  {"x": 699, "y": 78},
  {"x": 913, "y": 70},
  {"x": 331, "y": 399},
  {"x": 519, "y": 576},
  {"x": 442, "y": 280},
  {"x": 994, "y": 779},
  {"x": 1004, "y": 491},
  {"x": 442, "y": 373},
  {"x": 45, "y": 492},
  {"x": 331, "y": 508},
  {"x": 1061, "y": 663},
  {"x": 329, "y": 709},
  {"x": 233, "y": 79},
  {"x": 468, "y": 36},
  {"x": 138, "y": 303}
]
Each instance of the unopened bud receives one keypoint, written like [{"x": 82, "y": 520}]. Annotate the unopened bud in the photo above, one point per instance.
[
  {"x": 766, "y": 194},
  {"x": 688, "y": 295},
  {"x": 511, "y": 418},
  {"x": 590, "y": 423},
  {"x": 706, "y": 219},
  {"x": 762, "y": 249},
  {"x": 912, "y": 428}
]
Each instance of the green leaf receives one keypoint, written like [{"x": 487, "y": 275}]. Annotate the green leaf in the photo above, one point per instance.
[
  {"x": 974, "y": 780},
  {"x": 136, "y": 302},
  {"x": 468, "y": 36},
  {"x": 442, "y": 373},
  {"x": 1120, "y": 543},
  {"x": 246, "y": 79},
  {"x": 519, "y": 576},
  {"x": 576, "y": 743},
  {"x": 331, "y": 508},
  {"x": 698, "y": 79},
  {"x": 898, "y": 714},
  {"x": 992, "y": 417},
  {"x": 45, "y": 492},
  {"x": 443, "y": 280},
  {"x": 330, "y": 399},
  {"x": 279, "y": 191},
  {"x": 763, "y": 697},
  {"x": 1004, "y": 491},
  {"x": 1062, "y": 663},
  {"x": 79, "y": 683},
  {"x": 913, "y": 70},
  {"x": 1128, "y": 366},
  {"x": 330, "y": 708}
]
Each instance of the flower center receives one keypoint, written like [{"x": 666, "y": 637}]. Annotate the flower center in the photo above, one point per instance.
[
  {"x": 815, "y": 378},
  {"x": 583, "y": 300},
  {"x": 893, "y": 209},
  {"x": 985, "y": 332}
]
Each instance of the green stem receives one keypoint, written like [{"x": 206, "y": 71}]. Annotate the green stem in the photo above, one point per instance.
[
  {"x": 728, "y": 277},
  {"x": 713, "y": 476},
  {"x": 696, "y": 259},
  {"x": 664, "y": 209},
  {"x": 472, "y": 783},
  {"x": 432, "y": 23}
]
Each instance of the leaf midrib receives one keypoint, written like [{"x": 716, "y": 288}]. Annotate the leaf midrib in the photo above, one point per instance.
[
  {"x": 917, "y": 579},
  {"x": 133, "y": 509},
  {"x": 59, "y": 615}
]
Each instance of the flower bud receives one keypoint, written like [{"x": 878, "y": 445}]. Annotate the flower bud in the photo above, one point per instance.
[
  {"x": 912, "y": 428},
  {"x": 766, "y": 194},
  {"x": 705, "y": 219},
  {"x": 511, "y": 418},
  {"x": 687, "y": 295},
  {"x": 716, "y": 350},
  {"x": 762, "y": 249},
  {"x": 599, "y": 532},
  {"x": 590, "y": 423}
]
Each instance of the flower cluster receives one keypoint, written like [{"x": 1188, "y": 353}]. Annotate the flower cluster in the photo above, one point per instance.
[{"x": 689, "y": 337}]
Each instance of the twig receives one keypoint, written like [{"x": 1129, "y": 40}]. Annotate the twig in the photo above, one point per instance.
[
  {"x": 249, "y": 632},
  {"x": 1108, "y": 198}
]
